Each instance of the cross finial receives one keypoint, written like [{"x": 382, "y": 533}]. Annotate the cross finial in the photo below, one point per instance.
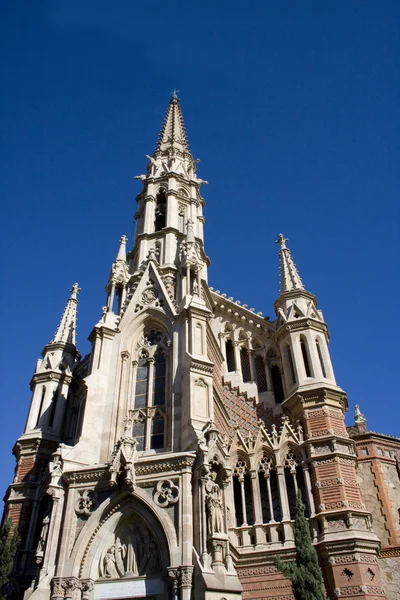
[
  {"x": 281, "y": 241},
  {"x": 174, "y": 94}
]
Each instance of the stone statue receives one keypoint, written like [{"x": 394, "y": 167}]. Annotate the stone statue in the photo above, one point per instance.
[
  {"x": 109, "y": 564},
  {"x": 215, "y": 511}
]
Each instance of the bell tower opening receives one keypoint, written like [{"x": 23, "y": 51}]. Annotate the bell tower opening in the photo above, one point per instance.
[{"x": 161, "y": 210}]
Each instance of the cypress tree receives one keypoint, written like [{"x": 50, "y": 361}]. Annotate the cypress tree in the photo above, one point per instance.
[
  {"x": 8, "y": 548},
  {"x": 304, "y": 573}
]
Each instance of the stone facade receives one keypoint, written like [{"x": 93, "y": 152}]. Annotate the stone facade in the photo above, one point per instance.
[{"x": 166, "y": 463}]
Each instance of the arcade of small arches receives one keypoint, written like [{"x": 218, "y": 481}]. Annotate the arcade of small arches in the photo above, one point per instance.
[
  {"x": 247, "y": 357},
  {"x": 263, "y": 495}
]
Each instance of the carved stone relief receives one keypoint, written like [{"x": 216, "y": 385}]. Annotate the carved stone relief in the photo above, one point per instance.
[{"x": 134, "y": 552}]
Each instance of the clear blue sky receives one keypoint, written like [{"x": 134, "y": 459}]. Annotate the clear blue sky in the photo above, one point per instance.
[{"x": 293, "y": 108}]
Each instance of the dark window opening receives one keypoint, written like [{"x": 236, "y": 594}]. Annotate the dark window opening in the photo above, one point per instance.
[
  {"x": 245, "y": 364},
  {"x": 40, "y": 406},
  {"x": 260, "y": 375},
  {"x": 277, "y": 384},
  {"x": 291, "y": 365},
  {"x": 159, "y": 379},
  {"x": 53, "y": 408},
  {"x": 291, "y": 493},
  {"x": 276, "y": 503},
  {"x": 306, "y": 362},
  {"x": 248, "y": 493},
  {"x": 301, "y": 484},
  {"x": 237, "y": 495},
  {"x": 157, "y": 433},
  {"x": 161, "y": 211},
  {"x": 321, "y": 360},
  {"x": 230, "y": 356},
  {"x": 265, "y": 508}
]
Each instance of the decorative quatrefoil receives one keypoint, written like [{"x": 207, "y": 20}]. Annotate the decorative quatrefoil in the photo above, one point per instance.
[{"x": 165, "y": 493}]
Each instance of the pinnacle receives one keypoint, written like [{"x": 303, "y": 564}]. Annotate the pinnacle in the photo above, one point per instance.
[
  {"x": 289, "y": 277},
  {"x": 66, "y": 331},
  {"x": 122, "y": 248},
  {"x": 173, "y": 132}
]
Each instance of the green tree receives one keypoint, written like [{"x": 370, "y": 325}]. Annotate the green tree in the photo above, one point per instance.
[
  {"x": 8, "y": 547},
  {"x": 304, "y": 573}
]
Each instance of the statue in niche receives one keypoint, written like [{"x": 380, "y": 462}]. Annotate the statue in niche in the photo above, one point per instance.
[{"x": 215, "y": 510}]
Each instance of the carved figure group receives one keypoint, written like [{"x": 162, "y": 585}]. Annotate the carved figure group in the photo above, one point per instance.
[{"x": 133, "y": 553}]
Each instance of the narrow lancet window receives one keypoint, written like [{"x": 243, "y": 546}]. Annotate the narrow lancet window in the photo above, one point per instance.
[
  {"x": 230, "y": 356},
  {"x": 304, "y": 352},
  {"x": 277, "y": 384},
  {"x": 159, "y": 379},
  {"x": 291, "y": 365},
  {"x": 40, "y": 406},
  {"x": 261, "y": 375},
  {"x": 245, "y": 364},
  {"x": 321, "y": 360},
  {"x": 141, "y": 382}
]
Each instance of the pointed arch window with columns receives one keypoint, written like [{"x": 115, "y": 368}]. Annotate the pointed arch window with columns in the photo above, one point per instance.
[{"x": 150, "y": 391}]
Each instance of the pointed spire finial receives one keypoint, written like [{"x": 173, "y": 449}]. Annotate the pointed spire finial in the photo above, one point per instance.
[
  {"x": 174, "y": 94},
  {"x": 173, "y": 132},
  {"x": 66, "y": 331},
  {"x": 289, "y": 276},
  {"x": 122, "y": 248}
]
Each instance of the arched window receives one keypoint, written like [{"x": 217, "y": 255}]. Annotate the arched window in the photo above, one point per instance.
[
  {"x": 161, "y": 210},
  {"x": 277, "y": 384},
  {"x": 321, "y": 360},
  {"x": 304, "y": 352},
  {"x": 150, "y": 392},
  {"x": 230, "y": 356},
  {"x": 260, "y": 374},
  {"x": 291, "y": 365},
  {"x": 245, "y": 364}
]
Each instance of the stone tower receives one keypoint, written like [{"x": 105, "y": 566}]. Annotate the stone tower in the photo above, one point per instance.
[{"x": 165, "y": 464}]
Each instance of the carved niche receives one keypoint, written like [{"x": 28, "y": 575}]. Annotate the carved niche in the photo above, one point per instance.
[{"x": 134, "y": 552}]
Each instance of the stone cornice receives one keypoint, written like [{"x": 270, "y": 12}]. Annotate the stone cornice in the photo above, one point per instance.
[
  {"x": 241, "y": 313},
  {"x": 301, "y": 325}
]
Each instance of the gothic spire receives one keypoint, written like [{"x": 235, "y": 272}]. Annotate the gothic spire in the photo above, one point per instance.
[
  {"x": 289, "y": 276},
  {"x": 173, "y": 132},
  {"x": 66, "y": 331}
]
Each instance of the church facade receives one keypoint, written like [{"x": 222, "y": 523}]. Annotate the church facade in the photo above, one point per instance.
[{"x": 166, "y": 463}]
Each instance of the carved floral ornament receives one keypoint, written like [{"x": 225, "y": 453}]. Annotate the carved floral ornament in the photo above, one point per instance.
[{"x": 86, "y": 502}]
